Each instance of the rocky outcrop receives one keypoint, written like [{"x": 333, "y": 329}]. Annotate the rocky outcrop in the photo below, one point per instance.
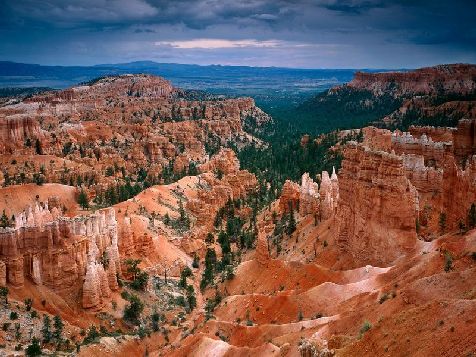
[
  {"x": 435, "y": 133},
  {"x": 455, "y": 78},
  {"x": 214, "y": 194},
  {"x": 310, "y": 198},
  {"x": 433, "y": 152},
  {"x": 16, "y": 129},
  {"x": 377, "y": 206},
  {"x": 66, "y": 255},
  {"x": 464, "y": 138},
  {"x": 289, "y": 199},
  {"x": 329, "y": 194},
  {"x": 439, "y": 162},
  {"x": 377, "y": 139},
  {"x": 262, "y": 248},
  {"x": 225, "y": 162},
  {"x": 132, "y": 243}
]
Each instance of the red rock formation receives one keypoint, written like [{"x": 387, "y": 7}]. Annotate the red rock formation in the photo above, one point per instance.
[
  {"x": 456, "y": 78},
  {"x": 132, "y": 243},
  {"x": 289, "y": 198},
  {"x": 128, "y": 122},
  {"x": 464, "y": 138},
  {"x": 377, "y": 208},
  {"x": 309, "y": 198},
  {"x": 225, "y": 161},
  {"x": 441, "y": 170},
  {"x": 435, "y": 133},
  {"x": 59, "y": 252},
  {"x": 15, "y": 129},
  {"x": 377, "y": 139}
]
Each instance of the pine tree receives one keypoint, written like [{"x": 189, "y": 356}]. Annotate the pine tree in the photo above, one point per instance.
[
  {"x": 58, "y": 324},
  {"x": 34, "y": 349},
  {"x": 46, "y": 329},
  {"x": 83, "y": 199},
  {"x": 4, "y": 221},
  {"x": 4, "y": 294},
  {"x": 38, "y": 148},
  {"x": 291, "y": 227}
]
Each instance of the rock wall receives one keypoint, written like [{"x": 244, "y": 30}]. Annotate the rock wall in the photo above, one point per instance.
[
  {"x": 67, "y": 255},
  {"x": 433, "y": 152},
  {"x": 377, "y": 139},
  {"x": 289, "y": 198},
  {"x": 15, "y": 129},
  {"x": 435, "y": 133},
  {"x": 455, "y": 78},
  {"x": 377, "y": 206},
  {"x": 464, "y": 138},
  {"x": 441, "y": 170}
]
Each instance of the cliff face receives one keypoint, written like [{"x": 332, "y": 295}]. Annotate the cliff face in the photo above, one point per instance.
[
  {"x": 440, "y": 164},
  {"x": 63, "y": 254},
  {"x": 14, "y": 129},
  {"x": 377, "y": 207},
  {"x": 458, "y": 78}
]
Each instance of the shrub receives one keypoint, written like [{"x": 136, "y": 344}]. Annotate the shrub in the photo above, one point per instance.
[
  {"x": 365, "y": 327},
  {"x": 13, "y": 315},
  {"x": 196, "y": 261},
  {"x": 442, "y": 222},
  {"x": 92, "y": 335},
  {"x": 383, "y": 298},
  {"x": 133, "y": 311},
  {"x": 448, "y": 262},
  {"x": 34, "y": 349},
  {"x": 28, "y": 304}
]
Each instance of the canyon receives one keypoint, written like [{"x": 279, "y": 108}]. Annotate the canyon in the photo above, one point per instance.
[{"x": 127, "y": 193}]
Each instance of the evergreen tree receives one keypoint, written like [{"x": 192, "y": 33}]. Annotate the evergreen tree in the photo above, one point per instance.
[
  {"x": 191, "y": 299},
  {"x": 83, "y": 199},
  {"x": 442, "y": 222},
  {"x": 133, "y": 311},
  {"x": 58, "y": 325},
  {"x": 34, "y": 349},
  {"x": 46, "y": 329},
  {"x": 4, "y": 221},
  {"x": 210, "y": 262},
  {"x": 291, "y": 226},
  {"x": 4, "y": 294},
  {"x": 38, "y": 148},
  {"x": 186, "y": 272}
]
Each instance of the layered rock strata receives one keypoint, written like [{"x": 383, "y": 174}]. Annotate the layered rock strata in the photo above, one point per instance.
[
  {"x": 377, "y": 207},
  {"x": 67, "y": 255}
]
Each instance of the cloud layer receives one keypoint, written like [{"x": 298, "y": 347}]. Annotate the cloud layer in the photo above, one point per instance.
[{"x": 295, "y": 33}]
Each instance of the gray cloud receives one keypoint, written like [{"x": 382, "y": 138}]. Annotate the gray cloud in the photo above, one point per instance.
[{"x": 304, "y": 33}]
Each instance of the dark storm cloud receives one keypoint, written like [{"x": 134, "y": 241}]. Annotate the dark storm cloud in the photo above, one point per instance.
[{"x": 307, "y": 33}]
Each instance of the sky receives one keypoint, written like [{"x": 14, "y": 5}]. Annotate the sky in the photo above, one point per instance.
[{"x": 283, "y": 33}]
